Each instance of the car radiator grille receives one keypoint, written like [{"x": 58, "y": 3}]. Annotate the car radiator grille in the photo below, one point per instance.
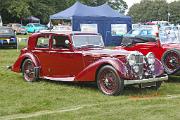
[
  {"x": 139, "y": 59},
  {"x": 139, "y": 63}
]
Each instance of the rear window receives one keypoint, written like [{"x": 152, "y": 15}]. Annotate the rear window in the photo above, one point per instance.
[{"x": 42, "y": 42}]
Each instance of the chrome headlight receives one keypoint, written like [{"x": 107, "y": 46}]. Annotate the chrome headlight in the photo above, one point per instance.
[
  {"x": 150, "y": 58},
  {"x": 131, "y": 59}
]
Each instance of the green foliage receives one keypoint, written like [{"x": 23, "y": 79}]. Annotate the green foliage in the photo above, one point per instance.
[
  {"x": 174, "y": 10},
  {"x": 149, "y": 10},
  {"x": 14, "y": 10},
  {"x": 118, "y": 5}
]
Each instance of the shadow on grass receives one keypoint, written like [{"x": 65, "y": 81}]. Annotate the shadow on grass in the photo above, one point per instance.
[
  {"x": 131, "y": 90},
  {"x": 77, "y": 84}
]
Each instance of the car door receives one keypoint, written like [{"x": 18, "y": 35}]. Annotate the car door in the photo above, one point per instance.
[
  {"x": 30, "y": 28},
  {"x": 41, "y": 51},
  {"x": 65, "y": 62}
]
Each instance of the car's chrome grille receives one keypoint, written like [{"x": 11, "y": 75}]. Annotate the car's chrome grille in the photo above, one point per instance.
[
  {"x": 139, "y": 62},
  {"x": 139, "y": 59},
  {"x": 141, "y": 70}
]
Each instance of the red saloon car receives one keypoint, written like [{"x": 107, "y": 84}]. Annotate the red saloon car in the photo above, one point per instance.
[
  {"x": 166, "y": 50},
  {"x": 81, "y": 57}
]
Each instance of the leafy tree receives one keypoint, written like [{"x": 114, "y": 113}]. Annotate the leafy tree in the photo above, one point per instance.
[
  {"x": 174, "y": 10},
  {"x": 14, "y": 10},
  {"x": 118, "y": 5},
  {"x": 149, "y": 10}
]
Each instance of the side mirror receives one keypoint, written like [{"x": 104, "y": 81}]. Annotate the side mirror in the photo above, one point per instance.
[{"x": 67, "y": 42}]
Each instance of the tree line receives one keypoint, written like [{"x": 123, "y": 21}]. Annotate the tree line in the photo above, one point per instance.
[
  {"x": 15, "y": 10},
  {"x": 153, "y": 10}
]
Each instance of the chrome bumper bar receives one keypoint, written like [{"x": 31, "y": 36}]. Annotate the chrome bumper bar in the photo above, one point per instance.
[{"x": 130, "y": 82}]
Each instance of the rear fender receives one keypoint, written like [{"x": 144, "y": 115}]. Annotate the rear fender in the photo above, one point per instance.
[
  {"x": 91, "y": 71},
  {"x": 18, "y": 64}
]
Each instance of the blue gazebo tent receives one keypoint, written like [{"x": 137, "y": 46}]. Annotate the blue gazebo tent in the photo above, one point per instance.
[{"x": 103, "y": 16}]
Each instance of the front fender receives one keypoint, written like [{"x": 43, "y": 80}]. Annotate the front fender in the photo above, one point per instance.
[
  {"x": 90, "y": 72},
  {"x": 159, "y": 69},
  {"x": 17, "y": 65}
]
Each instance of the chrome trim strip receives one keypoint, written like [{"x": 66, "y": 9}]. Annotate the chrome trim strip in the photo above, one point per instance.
[
  {"x": 60, "y": 79},
  {"x": 130, "y": 82}
]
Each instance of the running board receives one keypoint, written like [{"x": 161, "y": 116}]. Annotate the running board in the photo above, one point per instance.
[{"x": 70, "y": 79}]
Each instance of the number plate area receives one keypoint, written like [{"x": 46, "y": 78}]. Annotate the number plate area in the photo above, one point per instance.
[{"x": 149, "y": 84}]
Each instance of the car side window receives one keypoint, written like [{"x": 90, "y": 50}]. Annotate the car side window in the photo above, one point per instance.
[
  {"x": 42, "y": 42},
  {"x": 60, "y": 42}
]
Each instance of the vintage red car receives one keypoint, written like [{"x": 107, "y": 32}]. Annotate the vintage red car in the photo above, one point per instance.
[
  {"x": 165, "y": 49},
  {"x": 81, "y": 57}
]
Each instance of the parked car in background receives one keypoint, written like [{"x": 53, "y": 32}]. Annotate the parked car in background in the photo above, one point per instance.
[
  {"x": 7, "y": 37},
  {"x": 143, "y": 30},
  {"x": 18, "y": 28},
  {"x": 166, "y": 49},
  {"x": 81, "y": 57},
  {"x": 35, "y": 27},
  {"x": 62, "y": 28}
]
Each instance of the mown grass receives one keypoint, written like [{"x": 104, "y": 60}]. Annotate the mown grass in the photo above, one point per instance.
[{"x": 46, "y": 100}]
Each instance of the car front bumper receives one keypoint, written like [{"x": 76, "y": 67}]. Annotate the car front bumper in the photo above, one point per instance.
[{"x": 131, "y": 82}]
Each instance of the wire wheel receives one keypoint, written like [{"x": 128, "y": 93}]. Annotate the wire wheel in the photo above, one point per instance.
[
  {"x": 109, "y": 82},
  {"x": 171, "y": 61},
  {"x": 28, "y": 70}
]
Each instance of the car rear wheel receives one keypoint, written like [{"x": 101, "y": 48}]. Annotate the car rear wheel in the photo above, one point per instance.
[
  {"x": 109, "y": 82},
  {"x": 28, "y": 70},
  {"x": 171, "y": 61}
]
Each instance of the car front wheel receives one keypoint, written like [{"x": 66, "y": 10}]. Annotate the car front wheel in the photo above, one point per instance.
[
  {"x": 171, "y": 61},
  {"x": 109, "y": 82},
  {"x": 28, "y": 70}
]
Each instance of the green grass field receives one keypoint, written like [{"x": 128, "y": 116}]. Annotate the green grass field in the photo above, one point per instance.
[{"x": 46, "y": 100}]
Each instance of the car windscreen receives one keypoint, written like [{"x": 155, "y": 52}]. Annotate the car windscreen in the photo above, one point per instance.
[
  {"x": 127, "y": 41},
  {"x": 18, "y": 25},
  {"x": 169, "y": 36},
  {"x": 134, "y": 32},
  {"x": 92, "y": 41},
  {"x": 37, "y": 25},
  {"x": 6, "y": 31}
]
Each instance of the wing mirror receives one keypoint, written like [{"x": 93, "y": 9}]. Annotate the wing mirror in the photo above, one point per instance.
[{"x": 67, "y": 42}]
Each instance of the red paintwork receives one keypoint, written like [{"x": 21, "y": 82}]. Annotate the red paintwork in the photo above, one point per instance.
[
  {"x": 156, "y": 47},
  {"x": 80, "y": 64}
]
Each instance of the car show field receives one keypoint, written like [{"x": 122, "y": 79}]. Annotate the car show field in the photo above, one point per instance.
[
  {"x": 90, "y": 60},
  {"x": 58, "y": 100}
]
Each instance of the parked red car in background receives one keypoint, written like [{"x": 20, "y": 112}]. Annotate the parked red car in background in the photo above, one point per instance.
[
  {"x": 166, "y": 49},
  {"x": 81, "y": 57}
]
